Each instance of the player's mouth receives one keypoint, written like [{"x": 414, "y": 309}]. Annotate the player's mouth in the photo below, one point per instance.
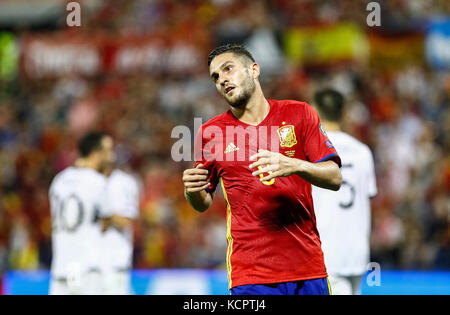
[{"x": 229, "y": 89}]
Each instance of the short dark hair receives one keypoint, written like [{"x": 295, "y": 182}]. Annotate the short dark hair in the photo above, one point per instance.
[
  {"x": 90, "y": 142},
  {"x": 330, "y": 104},
  {"x": 236, "y": 49}
]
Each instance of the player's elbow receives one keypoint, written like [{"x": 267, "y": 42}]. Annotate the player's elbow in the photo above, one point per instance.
[
  {"x": 336, "y": 180},
  {"x": 122, "y": 222},
  {"x": 200, "y": 201},
  {"x": 201, "y": 208}
]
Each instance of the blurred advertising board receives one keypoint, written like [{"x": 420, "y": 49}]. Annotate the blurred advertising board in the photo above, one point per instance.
[
  {"x": 215, "y": 282},
  {"x": 143, "y": 282},
  {"x": 437, "y": 44},
  {"x": 410, "y": 283},
  {"x": 47, "y": 56},
  {"x": 65, "y": 53},
  {"x": 325, "y": 44}
]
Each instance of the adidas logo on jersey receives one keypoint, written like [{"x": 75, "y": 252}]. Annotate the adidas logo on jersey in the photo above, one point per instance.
[{"x": 231, "y": 148}]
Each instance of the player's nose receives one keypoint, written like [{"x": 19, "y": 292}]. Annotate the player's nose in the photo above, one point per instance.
[{"x": 223, "y": 80}]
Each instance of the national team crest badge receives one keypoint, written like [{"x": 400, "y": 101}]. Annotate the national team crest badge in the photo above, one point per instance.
[{"x": 287, "y": 136}]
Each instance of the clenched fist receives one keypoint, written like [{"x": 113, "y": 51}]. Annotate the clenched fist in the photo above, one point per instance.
[{"x": 195, "y": 179}]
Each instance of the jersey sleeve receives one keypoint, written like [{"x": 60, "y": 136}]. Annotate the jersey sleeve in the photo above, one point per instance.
[
  {"x": 204, "y": 156},
  {"x": 123, "y": 196},
  {"x": 317, "y": 146},
  {"x": 371, "y": 177}
]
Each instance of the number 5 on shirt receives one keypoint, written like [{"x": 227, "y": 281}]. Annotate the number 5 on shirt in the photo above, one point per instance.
[{"x": 266, "y": 182}]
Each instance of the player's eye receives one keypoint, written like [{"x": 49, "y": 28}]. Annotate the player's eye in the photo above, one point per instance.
[{"x": 228, "y": 68}]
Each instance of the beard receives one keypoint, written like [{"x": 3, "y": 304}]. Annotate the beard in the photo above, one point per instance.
[{"x": 248, "y": 87}]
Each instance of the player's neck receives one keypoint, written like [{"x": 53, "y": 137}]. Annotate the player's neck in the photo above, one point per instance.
[
  {"x": 255, "y": 111},
  {"x": 87, "y": 163},
  {"x": 331, "y": 126}
]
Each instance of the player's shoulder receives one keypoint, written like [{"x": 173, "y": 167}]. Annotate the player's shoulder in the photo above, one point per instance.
[
  {"x": 63, "y": 174},
  {"x": 218, "y": 120},
  {"x": 294, "y": 109},
  {"x": 92, "y": 174},
  {"x": 361, "y": 145},
  {"x": 289, "y": 104},
  {"x": 121, "y": 176},
  {"x": 354, "y": 143},
  {"x": 80, "y": 174}
]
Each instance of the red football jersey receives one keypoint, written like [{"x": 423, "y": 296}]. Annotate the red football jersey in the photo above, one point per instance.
[{"x": 271, "y": 226}]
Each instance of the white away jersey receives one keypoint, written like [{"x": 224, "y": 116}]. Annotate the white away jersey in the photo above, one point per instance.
[
  {"x": 343, "y": 217},
  {"x": 78, "y": 200},
  {"x": 122, "y": 200}
]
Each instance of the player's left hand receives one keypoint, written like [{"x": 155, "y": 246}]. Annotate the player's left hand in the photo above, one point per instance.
[{"x": 275, "y": 164}]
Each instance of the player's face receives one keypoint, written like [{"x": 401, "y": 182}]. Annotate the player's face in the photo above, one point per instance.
[
  {"x": 107, "y": 154},
  {"x": 232, "y": 79}
]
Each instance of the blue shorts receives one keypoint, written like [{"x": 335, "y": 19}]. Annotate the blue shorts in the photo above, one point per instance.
[{"x": 303, "y": 287}]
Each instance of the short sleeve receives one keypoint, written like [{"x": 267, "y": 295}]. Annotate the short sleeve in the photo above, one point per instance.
[
  {"x": 317, "y": 146},
  {"x": 123, "y": 196},
  {"x": 204, "y": 156},
  {"x": 371, "y": 176}
]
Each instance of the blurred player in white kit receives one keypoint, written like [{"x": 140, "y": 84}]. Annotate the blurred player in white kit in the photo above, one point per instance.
[
  {"x": 344, "y": 217},
  {"x": 117, "y": 249},
  {"x": 78, "y": 199}
]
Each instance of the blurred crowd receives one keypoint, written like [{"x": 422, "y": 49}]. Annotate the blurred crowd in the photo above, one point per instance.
[{"x": 401, "y": 112}]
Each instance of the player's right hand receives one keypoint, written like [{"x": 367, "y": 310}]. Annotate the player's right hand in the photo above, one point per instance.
[{"x": 195, "y": 179}]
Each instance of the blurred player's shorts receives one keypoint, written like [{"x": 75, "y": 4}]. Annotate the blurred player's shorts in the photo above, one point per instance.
[
  {"x": 90, "y": 283},
  {"x": 117, "y": 282},
  {"x": 345, "y": 285}
]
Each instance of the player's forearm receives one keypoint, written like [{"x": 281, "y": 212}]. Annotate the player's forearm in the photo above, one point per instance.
[
  {"x": 200, "y": 200},
  {"x": 324, "y": 174},
  {"x": 121, "y": 222},
  {"x": 116, "y": 221}
]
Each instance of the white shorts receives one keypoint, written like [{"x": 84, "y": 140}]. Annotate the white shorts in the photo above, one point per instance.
[
  {"x": 90, "y": 283},
  {"x": 345, "y": 285},
  {"x": 117, "y": 282}
]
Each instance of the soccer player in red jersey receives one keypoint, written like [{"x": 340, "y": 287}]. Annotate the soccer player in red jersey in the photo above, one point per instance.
[{"x": 266, "y": 154}]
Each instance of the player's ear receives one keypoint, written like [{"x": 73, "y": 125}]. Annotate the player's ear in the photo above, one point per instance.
[{"x": 254, "y": 70}]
